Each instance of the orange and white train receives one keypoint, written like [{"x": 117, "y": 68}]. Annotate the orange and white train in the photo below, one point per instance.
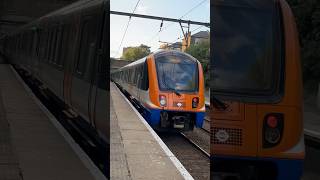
[
  {"x": 168, "y": 88},
  {"x": 257, "y": 119}
]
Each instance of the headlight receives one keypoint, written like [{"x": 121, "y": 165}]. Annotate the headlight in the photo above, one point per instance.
[{"x": 162, "y": 100}]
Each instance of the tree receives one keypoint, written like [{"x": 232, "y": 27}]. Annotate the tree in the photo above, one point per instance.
[
  {"x": 201, "y": 51},
  {"x": 307, "y": 14},
  {"x": 135, "y": 53}
]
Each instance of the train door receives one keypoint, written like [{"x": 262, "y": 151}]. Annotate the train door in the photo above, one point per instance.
[
  {"x": 83, "y": 64},
  {"x": 73, "y": 31},
  {"x": 99, "y": 95}
]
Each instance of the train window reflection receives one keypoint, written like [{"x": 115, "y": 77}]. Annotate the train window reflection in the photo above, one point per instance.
[
  {"x": 244, "y": 58},
  {"x": 177, "y": 73}
]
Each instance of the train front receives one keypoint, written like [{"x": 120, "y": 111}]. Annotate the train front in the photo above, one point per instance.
[
  {"x": 257, "y": 122},
  {"x": 177, "y": 90}
]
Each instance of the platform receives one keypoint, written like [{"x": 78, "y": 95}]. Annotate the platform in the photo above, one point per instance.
[
  {"x": 312, "y": 121},
  {"x": 32, "y": 147},
  {"x": 135, "y": 152}
]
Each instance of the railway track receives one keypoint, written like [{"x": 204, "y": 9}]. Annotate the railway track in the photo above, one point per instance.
[
  {"x": 206, "y": 125},
  {"x": 195, "y": 145},
  {"x": 195, "y": 159},
  {"x": 207, "y": 119},
  {"x": 205, "y": 130}
]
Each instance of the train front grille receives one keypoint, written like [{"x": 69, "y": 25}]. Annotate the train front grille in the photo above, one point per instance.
[{"x": 227, "y": 136}]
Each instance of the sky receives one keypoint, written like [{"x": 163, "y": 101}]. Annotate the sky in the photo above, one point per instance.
[{"x": 145, "y": 31}]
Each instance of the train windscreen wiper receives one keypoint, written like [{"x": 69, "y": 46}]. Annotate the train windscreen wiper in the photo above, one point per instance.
[
  {"x": 219, "y": 104},
  {"x": 168, "y": 87},
  {"x": 175, "y": 91}
]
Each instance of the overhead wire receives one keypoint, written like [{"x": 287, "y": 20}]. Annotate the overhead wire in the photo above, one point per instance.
[
  {"x": 127, "y": 26},
  {"x": 193, "y": 8},
  {"x": 190, "y": 32}
]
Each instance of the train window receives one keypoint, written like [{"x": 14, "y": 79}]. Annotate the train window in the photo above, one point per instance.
[
  {"x": 51, "y": 45},
  {"x": 132, "y": 71},
  {"x": 139, "y": 76},
  {"x": 34, "y": 43},
  {"x": 66, "y": 30},
  {"x": 177, "y": 73},
  {"x": 31, "y": 43},
  {"x": 88, "y": 39},
  {"x": 249, "y": 66},
  {"x": 46, "y": 45},
  {"x": 135, "y": 75},
  {"x": 58, "y": 58},
  {"x": 145, "y": 79},
  {"x": 127, "y": 76},
  {"x": 54, "y": 45},
  {"x": 43, "y": 40}
]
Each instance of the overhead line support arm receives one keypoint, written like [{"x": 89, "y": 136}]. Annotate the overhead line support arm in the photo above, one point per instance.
[{"x": 160, "y": 18}]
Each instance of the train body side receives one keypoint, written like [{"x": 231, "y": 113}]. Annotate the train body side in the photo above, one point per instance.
[{"x": 65, "y": 51}]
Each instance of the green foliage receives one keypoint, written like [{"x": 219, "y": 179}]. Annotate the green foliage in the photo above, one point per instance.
[
  {"x": 307, "y": 14},
  {"x": 135, "y": 53},
  {"x": 201, "y": 51}
]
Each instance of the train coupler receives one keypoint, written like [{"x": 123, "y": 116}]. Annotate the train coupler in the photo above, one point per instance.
[{"x": 179, "y": 122}]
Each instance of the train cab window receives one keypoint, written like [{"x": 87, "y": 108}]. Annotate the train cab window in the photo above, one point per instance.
[
  {"x": 177, "y": 72},
  {"x": 246, "y": 58}
]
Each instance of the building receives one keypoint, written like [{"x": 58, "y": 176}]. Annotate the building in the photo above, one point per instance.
[
  {"x": 192, "y": 39},
  {"x": 174, "y": 46},
  {"x": 117, "y": 63},
  {"x": 200, "y": 37}
]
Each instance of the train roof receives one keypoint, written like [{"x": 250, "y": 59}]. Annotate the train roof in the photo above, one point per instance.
[
  {"x": 172, "y": 52},
  {"x": 157, "y": 54},
  {"x": 69, "y": 9}
]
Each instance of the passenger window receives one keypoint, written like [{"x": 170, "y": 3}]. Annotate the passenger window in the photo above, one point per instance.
[
  {"x": 145, "y": 80},
  {"x": 54, "y": 46},
  {"x": 59, "y": 46},
  {"x": 88, "y": 37}
]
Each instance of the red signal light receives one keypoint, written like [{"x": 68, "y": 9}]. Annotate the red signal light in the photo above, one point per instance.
[
  {"x": 195, "y": 99},
  {"x": 272, "y": 121},
  {"x": 195, "y": 102},
  {"x": 163, "y": 100}
]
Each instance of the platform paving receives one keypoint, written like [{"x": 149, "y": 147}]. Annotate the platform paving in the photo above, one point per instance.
[
  {"x": 31, "y": 148},
  {"x": 133, "y": 148},
  {"x": 312, "y": 121}
]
